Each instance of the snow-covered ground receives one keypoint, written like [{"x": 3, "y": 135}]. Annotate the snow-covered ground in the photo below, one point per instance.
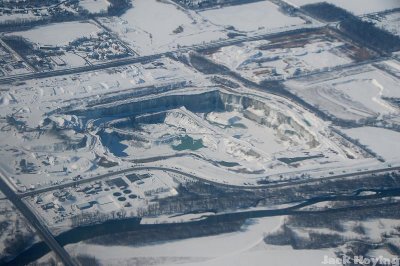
[
  {"x": 112, "y": 195},
  {"x": 165, "y": 126},
  {"x": 32, "y": 101},
  {"x": 251, "y": 17},
  {"x": 358, "y": 7},
  {"x": 11, "y": 64},
  {"x": 384, "y": 142},
  {"x": 94, "y": 6},
  {"x": 153, "y": 26},
  {"x": 255, "y": 139},
  {"x": 242, "y": 248},
  {"x": 256, "y": 62},
  {"x": 389, "y": 22},
  {"x": 351, "y": 94},
  {"x": 58, "y": 34},
  {"x": 15, "y": 234},
  {"x": 8, "y": 18},
  {"x": 234, "y": 139}
]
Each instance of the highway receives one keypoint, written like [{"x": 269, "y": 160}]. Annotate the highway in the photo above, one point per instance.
[{"x": 40, "y": 228}]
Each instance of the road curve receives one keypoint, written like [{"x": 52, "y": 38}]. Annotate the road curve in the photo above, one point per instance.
[{"x": 177, "y": 171}]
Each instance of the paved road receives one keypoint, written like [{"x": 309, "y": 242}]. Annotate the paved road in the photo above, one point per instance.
[
  {"x": 190, "y": 175},
  {"x": 41, "y": 229},
  {"x": 139, "y": 59}
]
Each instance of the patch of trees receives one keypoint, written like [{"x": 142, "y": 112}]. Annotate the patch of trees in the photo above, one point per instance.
[
  {"x": 195, "y": 4},
  {"x": 89, "y": 218},
  {"x": 27, "y": 23},
  {"x": 117, "y": 7},
  {"x": 287, "y": 236},
  {"x": 327, "y": 12},
  {"x": 198, "y": 4},
  {"x": 58, "y": 14},
  {"x": 25, "y": 4},
  {"x": 334, "y": 221},
  {"x": 368, "y": 34},
  {"x": 16, "y": 244},
  {"x": 18, "y": 22},
  {"x": 200, "y": 197},
  {"x": 167, "y": 232},
  {"x": 363, "y": 31}
]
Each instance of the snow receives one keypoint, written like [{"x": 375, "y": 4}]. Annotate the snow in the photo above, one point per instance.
[
  {"x": 73, "y": 60},
  {"x": 384, "y": 142},
  {"x": 6, "y": 99},
  {"x": 392, "y": 23},
  {"x": 245, "y": 247},
  {"x": 389, "y": 22},
  {"x": 253, "y": 146},
  {"x": 149, "y": 27},
  {"x": 358, "y": 7},
  {"x": 353, "y": 94},
  {"x": 34, "y": 98},
  {"x": 256, "y": 63},
  {"x": 251, "y": 17},
  {"x": 58, "y": 34},
  {"x": 13, "y": 225},
  {"x": 94, "y": 6},
  {"x": 175, "y": 218},
  {"x": 7, "y": 18}
]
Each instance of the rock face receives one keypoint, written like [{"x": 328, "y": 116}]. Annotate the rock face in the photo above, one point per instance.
[{"x": 152, "y": 110}]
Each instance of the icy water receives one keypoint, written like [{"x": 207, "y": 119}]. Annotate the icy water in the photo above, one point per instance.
[{"x": 133, "y": 224}]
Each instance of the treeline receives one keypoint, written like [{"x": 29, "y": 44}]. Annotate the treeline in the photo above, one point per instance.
[
  {"x": 201, "y": 197},
  {"x": 28, "y": 4},
  {"x": 327, "y": 12},
  {"x": 199, "y": 4},
  {"x": 27, "y": 23},
  {"x": 97, "y": 217},
  {"x": 337, "y": 233},
  {"x": 363, "y": 31},
  {"x": 369, "y": 34},
  {"x": 196, "y": 4},
  {"x": 149, "y": 234},
  {"x": 117, "y": 7}
]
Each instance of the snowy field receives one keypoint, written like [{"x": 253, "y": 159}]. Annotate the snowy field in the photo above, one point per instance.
[
  {"x": 384, "y": 142},
  {"x": 355, "y": 94},
  {"x": 257, "y": 62},
  {"x": 358, "y": 7},
  {"x": 151, "y": 26},
  {"x": 251, "y": 17},
  {"x": 94, "y": 6},
  {"x": 155, "y": 26},
  {"x": 242, "y": 248},
  {"x": 58, "y": 34}
]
